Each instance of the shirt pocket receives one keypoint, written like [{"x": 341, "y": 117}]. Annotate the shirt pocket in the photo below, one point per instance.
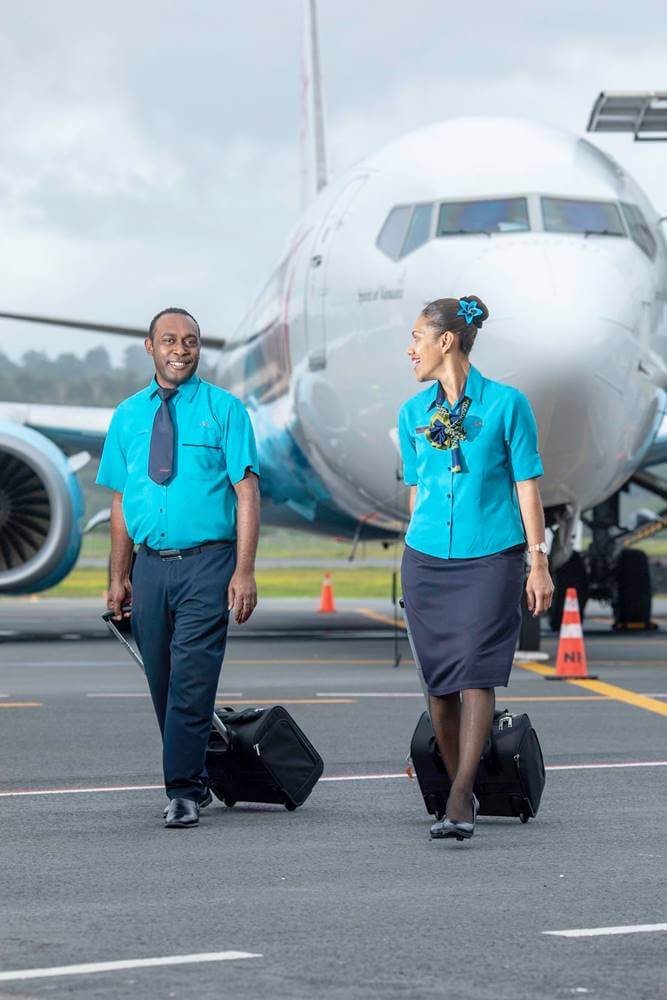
[
  {"x": 200, "y": 454},
  {"x": 431, "y": 462},
  {"x": 137, "y": 453}
]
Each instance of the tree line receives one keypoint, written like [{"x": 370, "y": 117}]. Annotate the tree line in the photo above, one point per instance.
[{"x": 90, "y": 380}]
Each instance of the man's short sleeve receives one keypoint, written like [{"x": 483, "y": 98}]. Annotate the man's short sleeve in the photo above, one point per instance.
[
  {"x": 524, "y": 456},
  {"x": 240, "y": 446},
  {"x": 406, "y": 440},
  {"x": 112, "y": 471}
]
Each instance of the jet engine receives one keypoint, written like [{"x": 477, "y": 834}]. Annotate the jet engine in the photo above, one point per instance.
[{"x": 41, "y": 510}]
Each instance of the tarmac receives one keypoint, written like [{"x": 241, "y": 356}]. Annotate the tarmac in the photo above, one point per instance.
[{"x": 346, "y": 897}]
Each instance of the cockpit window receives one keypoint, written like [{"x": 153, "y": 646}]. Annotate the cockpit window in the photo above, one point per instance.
[
  {"x": 393, "y": 232},
  {"x": 639, "y": 229},
  {"x": 497, "y": 215},
  {"x": 592, "y": 218},
  {"x": 406, "y": 228},
  {"x": 419, "y": 230}
]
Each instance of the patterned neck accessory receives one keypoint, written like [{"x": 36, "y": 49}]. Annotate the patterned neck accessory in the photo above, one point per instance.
[
  {"x": 445, "y": 430},
  {"x": 469, "y": 309}
]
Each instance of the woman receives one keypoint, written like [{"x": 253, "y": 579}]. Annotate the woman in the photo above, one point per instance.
[{"x": 470, "y": 456}]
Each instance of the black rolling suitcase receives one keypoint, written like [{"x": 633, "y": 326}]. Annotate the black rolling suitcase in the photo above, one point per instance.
[
  {"x": 264, "y": 757},
  {"x": 256, "y": 755},
  {"x": 511, "y": 772}
]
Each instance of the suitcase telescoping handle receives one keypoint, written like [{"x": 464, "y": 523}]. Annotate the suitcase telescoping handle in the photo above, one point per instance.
[
  {"x": 420, "y": 672},
  {"x": 108, "y": 619}
]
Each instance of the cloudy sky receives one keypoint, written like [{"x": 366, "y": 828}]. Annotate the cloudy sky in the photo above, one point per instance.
[{"x": 150, "y": 153}]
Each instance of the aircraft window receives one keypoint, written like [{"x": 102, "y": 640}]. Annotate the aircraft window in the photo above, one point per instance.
[
  {"x": 392, "y": 233},
  {"x": 497, "y": 215},
  {"x": 419, "y": 229},
  {"x": 639, "y": 229},
  {"x": 595, "y": 218}
]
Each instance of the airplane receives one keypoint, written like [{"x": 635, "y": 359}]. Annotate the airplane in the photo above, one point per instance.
[{"x": 552, "y": 233}]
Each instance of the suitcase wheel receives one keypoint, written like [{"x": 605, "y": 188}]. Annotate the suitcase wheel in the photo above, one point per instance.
[
  {"x": 290, "y": 807},
  {"x": 524, "y": 817},
  {"x": 230, "y": 803}
]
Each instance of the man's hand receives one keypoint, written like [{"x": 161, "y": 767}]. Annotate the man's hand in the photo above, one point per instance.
[
  {"x": 242, "y": 596},
  {"x": 119, "y": 594}
]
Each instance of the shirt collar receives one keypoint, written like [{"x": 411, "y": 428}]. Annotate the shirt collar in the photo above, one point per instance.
[
  {"x": 186, "y": 390},
  {"x": 473, "y": 388}
]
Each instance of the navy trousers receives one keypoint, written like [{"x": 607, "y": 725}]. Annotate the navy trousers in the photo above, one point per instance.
[{"x": 179, "y": 621}]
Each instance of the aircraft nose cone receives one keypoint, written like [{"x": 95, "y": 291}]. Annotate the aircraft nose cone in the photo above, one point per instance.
[
  {"x": 563, "y": 329},
  {"x": 578, "y": 279}
]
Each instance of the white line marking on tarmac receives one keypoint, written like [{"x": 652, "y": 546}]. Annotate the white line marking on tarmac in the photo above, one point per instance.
[
  {"x": 67, "y": 663},
  {"x": 597, "y": 767},
  {"x": 19, "y": 793},
  {"x": 369, "y": 694},
  {"x": 603, "y": 931},
  {"x": 146, "y": 694},
  {"x": 79, "y": 791},
  {"x": 131, "y": 963},
  {"x": 364, "y": 777},
  {"x": 118, "y": 694}
]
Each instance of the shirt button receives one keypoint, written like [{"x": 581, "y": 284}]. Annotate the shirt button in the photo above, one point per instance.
[
  {"x": 162, "y": 532},
  {"x": 162, "y": 512},
  {"x": 449, "y": 494}
]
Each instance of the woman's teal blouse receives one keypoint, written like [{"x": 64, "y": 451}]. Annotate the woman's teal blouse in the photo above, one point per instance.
[{"x": 474, "y": 512}]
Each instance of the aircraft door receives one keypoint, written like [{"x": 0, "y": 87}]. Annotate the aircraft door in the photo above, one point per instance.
[{"x": 318, "y": 268}]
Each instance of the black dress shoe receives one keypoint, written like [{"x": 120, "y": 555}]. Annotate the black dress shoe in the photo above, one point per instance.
[
  {"x": 204, "y": 801},
  {"x": 182, "y": 812}
]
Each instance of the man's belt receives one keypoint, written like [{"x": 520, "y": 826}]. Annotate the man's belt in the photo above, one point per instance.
[{"x": 180, "y": 553}]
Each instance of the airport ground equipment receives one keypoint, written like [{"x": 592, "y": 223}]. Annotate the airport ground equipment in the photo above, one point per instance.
[
  {"x": 511, "y": 774},
  {"x": 255, "y": 755}
]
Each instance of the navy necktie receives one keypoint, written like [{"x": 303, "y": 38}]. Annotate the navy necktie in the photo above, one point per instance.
[{"x": 161, "y": 456}]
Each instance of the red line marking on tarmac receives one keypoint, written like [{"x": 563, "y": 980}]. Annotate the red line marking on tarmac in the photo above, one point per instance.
[{"x": 19, "y": 792}]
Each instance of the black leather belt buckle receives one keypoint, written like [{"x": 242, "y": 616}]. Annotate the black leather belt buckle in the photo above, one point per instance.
[{"x": 170, "y": 554}]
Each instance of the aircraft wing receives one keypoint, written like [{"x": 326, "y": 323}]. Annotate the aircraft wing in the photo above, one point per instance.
[
  {"x": 207, "y": 340},
  {"x": 71, "y": 428}
]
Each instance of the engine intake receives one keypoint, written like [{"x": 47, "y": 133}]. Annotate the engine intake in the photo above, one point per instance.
[{"x": 40, "y": 511}]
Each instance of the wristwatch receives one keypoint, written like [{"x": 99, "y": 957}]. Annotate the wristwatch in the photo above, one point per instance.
[{"x": 539, "y": 547}]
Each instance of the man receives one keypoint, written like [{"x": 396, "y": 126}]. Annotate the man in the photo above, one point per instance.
[{"x": 181, "y": 459}]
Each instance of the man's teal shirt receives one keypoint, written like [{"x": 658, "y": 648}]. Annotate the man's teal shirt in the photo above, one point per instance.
[
  {"x": 474, "y": 512},
  {"x": 214, "y": 445}
]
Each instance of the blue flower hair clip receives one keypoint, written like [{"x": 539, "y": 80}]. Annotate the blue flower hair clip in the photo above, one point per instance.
[{"x": 469, "y": 309}]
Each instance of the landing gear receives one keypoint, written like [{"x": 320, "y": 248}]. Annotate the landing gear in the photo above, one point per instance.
[
  {"x": 609, "y": 570},
  {"x": 632, "y": 603},
  {"x": 570, "y": 574}
]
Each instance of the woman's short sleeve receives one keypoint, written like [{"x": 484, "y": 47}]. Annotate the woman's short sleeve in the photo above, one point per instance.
[
  {"x": 521, "y": 435},
  {"x": 406, "y": 440}
]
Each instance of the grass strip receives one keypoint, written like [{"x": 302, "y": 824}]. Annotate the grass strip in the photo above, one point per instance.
[{"x": 271, "y": 582}]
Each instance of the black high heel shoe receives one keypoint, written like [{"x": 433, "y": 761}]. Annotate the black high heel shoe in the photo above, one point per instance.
[{"x": 445, "y": 828}]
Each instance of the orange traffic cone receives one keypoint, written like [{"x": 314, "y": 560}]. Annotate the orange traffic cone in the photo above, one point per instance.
[
  {"x": 571, "y": 658},
  {"x": 327, "y": 597}
]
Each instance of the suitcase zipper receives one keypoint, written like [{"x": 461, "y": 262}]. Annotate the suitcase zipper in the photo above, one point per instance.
[{"x": 255, "y": 747}]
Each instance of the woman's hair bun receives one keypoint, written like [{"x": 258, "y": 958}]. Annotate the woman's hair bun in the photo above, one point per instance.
[{"x": 478, "y": 320}]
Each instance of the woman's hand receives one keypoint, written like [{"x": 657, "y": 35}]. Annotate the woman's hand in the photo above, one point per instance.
[{"x": 539, "y": 588}]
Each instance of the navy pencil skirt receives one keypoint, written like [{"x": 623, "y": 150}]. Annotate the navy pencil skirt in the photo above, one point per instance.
[{"x": 464, "y": 616}]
